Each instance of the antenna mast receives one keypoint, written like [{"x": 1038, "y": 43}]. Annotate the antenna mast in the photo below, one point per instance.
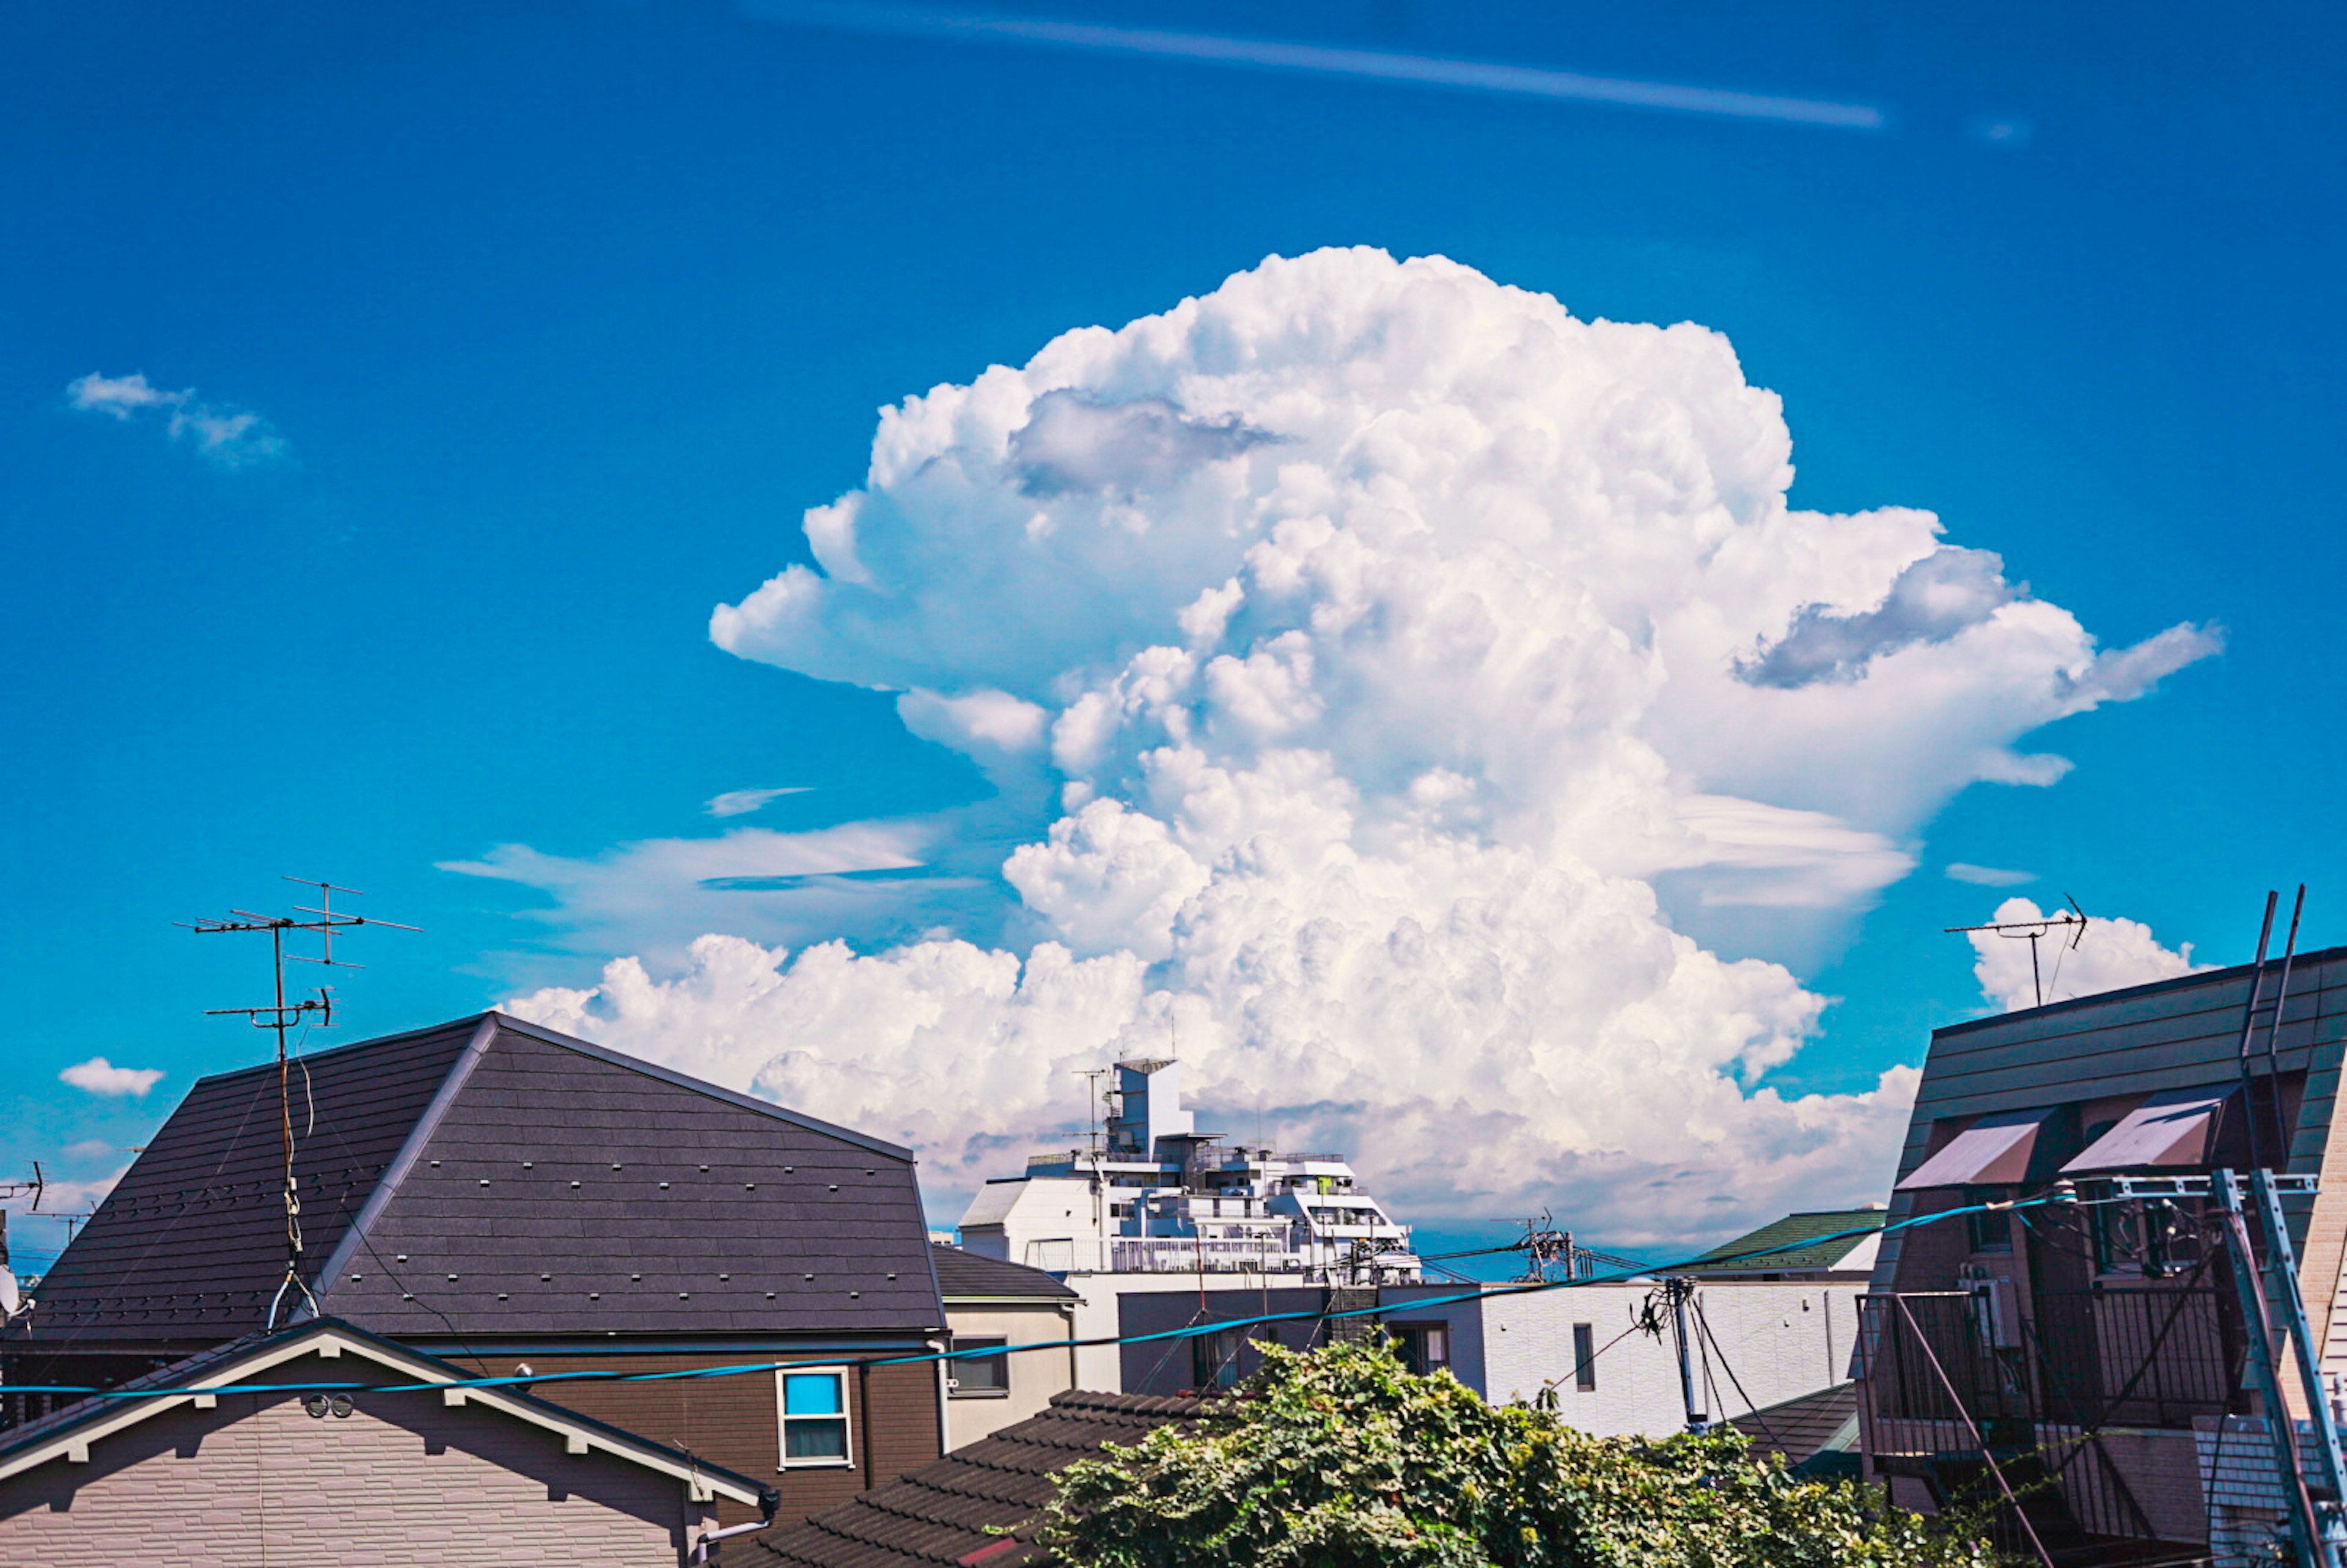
[
  {"x": 1093, "y": 1097},
  {"x": 280, "y": 1015},
  {"x": 2072, "y": 921}
]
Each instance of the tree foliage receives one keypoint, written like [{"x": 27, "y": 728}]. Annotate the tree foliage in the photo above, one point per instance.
[{"x": 1340, "y": 1458}]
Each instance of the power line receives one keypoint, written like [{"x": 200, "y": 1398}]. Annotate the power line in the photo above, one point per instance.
[{"x": 1189, "y": 1331}]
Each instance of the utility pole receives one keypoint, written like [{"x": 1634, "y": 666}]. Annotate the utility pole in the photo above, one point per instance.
[{"x": 1678, "y": 1288}]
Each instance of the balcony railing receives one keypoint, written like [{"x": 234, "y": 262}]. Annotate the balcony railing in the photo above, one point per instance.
[{"x": 2140, "y": 1356}]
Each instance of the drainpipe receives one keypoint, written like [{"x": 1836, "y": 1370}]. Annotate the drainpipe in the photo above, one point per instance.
[
  {"x": 945, "y": 1435},
  {"x": 768, "y": 1501}
]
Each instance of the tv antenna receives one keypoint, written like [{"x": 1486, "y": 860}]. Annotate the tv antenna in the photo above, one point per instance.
[
  {"x": 2071, "y": 921},
  {"x": 1094, "y": 1098},
  {"x": 36, "y": 1186},
  {"x": 280, "y": 1015}
]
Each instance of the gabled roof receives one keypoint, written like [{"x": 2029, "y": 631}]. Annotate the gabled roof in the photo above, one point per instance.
[
  {"x": 1801, "y": 1240},
  {"x": 942, "y": 1515},
  {"x": 491, "y": 1178},
  {"x": 68, "y": 1433},
  {"x": 972, "y": 1276}
]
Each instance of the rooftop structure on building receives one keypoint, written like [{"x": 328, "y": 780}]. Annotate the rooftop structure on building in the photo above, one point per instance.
[{"x": 1153, "y": 1195}]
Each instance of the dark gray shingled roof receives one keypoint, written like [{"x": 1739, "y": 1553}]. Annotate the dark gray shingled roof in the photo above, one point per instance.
[
  {"x": 1799, "y": 1428},
  {"x": 940, "y": 1516},
  {"x": 964, "y": 1276},
  {"x": 492, "y": 1177}
]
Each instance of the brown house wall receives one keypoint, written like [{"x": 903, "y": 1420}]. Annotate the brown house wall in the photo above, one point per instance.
[
  {"x": 402, "y": 1480},
  {"x": 731, "y": 1422}
]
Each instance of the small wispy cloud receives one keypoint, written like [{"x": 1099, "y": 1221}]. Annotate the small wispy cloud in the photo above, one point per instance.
[
  {"x": 741, "y": 802},
  {"x": 1313, "y": 59},
  {"x": 99, "y": 1076},
  {"x": 1987, "y": 875},
  {"x": 223, "y": 435}
]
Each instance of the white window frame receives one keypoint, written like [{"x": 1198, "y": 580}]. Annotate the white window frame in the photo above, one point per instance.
[{"x": 783, "y": 1417}]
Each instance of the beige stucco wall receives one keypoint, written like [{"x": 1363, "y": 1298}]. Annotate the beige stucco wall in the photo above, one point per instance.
[
  {"x": 402, "y": 1480},
  {"x": 1035, "y": 1375}
]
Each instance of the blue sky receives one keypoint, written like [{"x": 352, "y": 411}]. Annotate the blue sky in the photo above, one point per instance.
[{"x": 564, "y": 313}]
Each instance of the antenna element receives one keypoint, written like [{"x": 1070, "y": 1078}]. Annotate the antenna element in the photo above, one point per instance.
[{"x": 282, "y": 1015}]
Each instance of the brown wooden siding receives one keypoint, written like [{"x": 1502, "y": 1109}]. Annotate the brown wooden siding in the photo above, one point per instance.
[{"x": 731, "y": 1422}]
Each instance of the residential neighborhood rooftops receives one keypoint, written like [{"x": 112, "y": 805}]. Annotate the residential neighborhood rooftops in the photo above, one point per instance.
[
  {"x": 490, "y": 1177},
  {"x": 944, "y": 1515},
  {"x": 973, "y": 1277}
]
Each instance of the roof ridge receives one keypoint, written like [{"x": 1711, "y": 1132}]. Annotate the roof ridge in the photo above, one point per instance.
[
  {"x": 507, "y": 1021},
  {"x": 314, "y": 1057},
  {"x": 388, "y": 1180}
]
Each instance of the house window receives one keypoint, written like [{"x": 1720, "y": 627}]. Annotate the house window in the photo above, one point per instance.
[
  {"x": 1585, "y": 1357},
  {"x": 1214, "y": 1358},
  {"x": 814, "y": 1416},
  {"x": 1424, "y": 1347},
  {"x": 1990, "y": 1231},
  {"x": 979, "y": 1377}
]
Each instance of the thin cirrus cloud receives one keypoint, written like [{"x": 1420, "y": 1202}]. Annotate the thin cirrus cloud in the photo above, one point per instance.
[
  {"x": 742, "y": 801},
  {"x": 99, "y": 1076},
  {"x": 222, "y": 435},
  {"x": 1320, "y": 60},
  {"x": 1987, "y": 875}
]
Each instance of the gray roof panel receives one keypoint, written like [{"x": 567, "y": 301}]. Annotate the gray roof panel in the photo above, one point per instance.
[{"x": 529, "y": 1185}]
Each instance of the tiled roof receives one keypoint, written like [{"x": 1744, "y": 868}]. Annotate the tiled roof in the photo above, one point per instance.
[
  {"x": 965, "y": 1275},
  {"x": 940, "y": 1516},
  {"x": 492, "y": 1177},
  {"x": 1797, "y": 1237},
  {"x": 191, "y": 1243},
  {"x": 1798, "y": 1428}
]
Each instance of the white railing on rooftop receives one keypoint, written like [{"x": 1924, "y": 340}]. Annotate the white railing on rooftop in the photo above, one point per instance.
[{"x": 1159, "y": 1255}]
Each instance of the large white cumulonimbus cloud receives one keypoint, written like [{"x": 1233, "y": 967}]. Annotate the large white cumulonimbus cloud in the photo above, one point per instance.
[{"x": 1368, "y": 641}]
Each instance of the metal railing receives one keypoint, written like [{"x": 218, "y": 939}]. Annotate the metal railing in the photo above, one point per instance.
[
  {"x": 1159, "y": 1255},
  {"x": 2141, "y": 1356},
  {"x": 1952, "y": 1379},
  {"x": 2137, "y": 1355}
]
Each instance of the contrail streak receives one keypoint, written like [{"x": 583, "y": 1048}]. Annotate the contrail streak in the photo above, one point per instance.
[{"x": 1365, "y": 65}]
